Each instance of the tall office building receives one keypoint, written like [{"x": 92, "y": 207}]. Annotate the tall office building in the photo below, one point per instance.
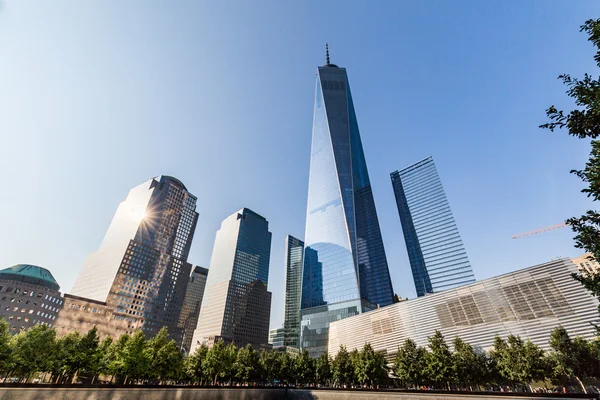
[
  {"x": 437, "y": 256},
  {"x": 139, "y": 275},
  {"x": 236, "y": 305},
  {"x": 188, "y": 319},
  {"x": 294, "y": 249},
  {"x": 345, "y": 267}
]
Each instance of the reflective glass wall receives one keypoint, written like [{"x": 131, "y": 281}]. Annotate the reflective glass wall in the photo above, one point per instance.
[
  {"x": 437, "y": 255},
  {"x": 237, "y": 306},
  {"x": 141, "y": 268},
  {"x": 344, "y": 260},
  {"x": 294, "y": 250}
]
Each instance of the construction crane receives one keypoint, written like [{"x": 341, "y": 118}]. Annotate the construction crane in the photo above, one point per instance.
[{"x": 541, "y": 230}]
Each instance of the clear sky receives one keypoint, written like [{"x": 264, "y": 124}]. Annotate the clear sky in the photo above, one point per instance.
[{"x": 98, "y": 96}]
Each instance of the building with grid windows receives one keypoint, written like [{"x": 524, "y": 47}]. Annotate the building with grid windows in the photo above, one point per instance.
[
  {"x": 437, "y": 256},
  {"x": 294, "y": 250},
  {"x": 530, "y": 303},
  {"x": 237, "y": 306},
  {"x": 345, "y": 266},
  {"x": 188, "y": 319},
  {"x": 140, "y": 272},
  {"x": 29, "y": 295},
  {"x": 277, "y": 337},
  {"x": 587, "y": 264}
]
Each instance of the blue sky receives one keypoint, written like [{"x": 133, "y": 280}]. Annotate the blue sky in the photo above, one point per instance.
[{"x": 98, "y": 96}]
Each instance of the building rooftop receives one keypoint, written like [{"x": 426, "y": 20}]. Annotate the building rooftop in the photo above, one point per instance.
[{"x": 30, "y": 274}]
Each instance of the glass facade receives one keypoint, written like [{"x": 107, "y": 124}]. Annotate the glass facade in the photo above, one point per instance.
[
  {"x": 437, "y": 256},
  {"x": 530, "y": 302},
  {"x": 345, "y": 267},
  {"x": 188, "y": 318},
  {"x": 236, "y": 305},
  {"x": 277, "y": 337},
  {"x": 141, "y": 268},
  {"x": 294, "y": 250}
]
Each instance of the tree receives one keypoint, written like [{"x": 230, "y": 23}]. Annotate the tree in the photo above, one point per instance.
[
  {"x": 439, "y": 361},
  {"x": 287, "y": 368},
  {"x": 570, "y": 359},
  {"x": 89, "y": 356},
  {"x": 67, "y": 357},
  {"x": 518, "y": 361},
  {"x": 33, "y": 350},
  {"x": 219, "y": 361},
  {"x": 5, "y": 349},
  {"x": 469, "y": 367},
  {"x": 342, "y": 368},
  {"x": 304, "y": 366},
  {"x": 246, "y": 364},
  {"x": 100, "y": 363},
  {"x": 410, "y": 363},
  {"x": 194, "y": 365},
  {"x": 584, "y": 122},
  {"x": 270, "y": 365},
  {"x": 135, "y": 358},
  {"x": 323, "y": 369},
  {"x": 370, "y": 368},
  {"x": 166, "y": 361},
  {"x": 115, "y": 362}
]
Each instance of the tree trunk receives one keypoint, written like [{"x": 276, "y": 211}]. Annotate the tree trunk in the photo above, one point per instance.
[{"x": 581, "y": 384}]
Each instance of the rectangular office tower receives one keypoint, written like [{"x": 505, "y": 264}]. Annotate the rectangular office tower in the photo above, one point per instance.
[
  {"x": 188, "y": 318},
  {"x": 236, "y": 305},
  {"x": 345, "y": 267},
  {"x": 294, "y": 249},
  {"x": 530, "y": 303},
  {"x": 437, "y": 256},
  {"x": 138, "y": 276}
]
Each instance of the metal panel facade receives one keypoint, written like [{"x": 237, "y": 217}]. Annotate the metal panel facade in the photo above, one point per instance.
[{"x": 530, "y": 303}]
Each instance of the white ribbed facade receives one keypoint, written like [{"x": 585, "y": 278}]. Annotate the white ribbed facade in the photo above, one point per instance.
[{"x": 530, "y": 303}]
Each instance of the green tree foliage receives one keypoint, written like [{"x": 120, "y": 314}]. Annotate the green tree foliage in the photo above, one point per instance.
[
  {"x": 89, "y": 354},
  {"x": 33, "y": 350},
  {"x": 194, "y": 365},
  {"x": 5, "y": 348},
  {"x": 343, "y": 370},
  {"x": 410, "y": 363},
  {"x": 584, "y": 122},
  {"x": 570, "y": 359},
  {"x": 219, "y": 361},
  {"x": 519, "y": 362},
  {"x": 323, "y": 369},
  {"x": 166, "y": 361},
  {"x": 67, "y": 357},
  {"x": 246, "y": 366},
  {"x": 270, "y": 363},
  {"x": 469, "y": 367},
  {"x": 370, "y": 368},
  {"x": 287, "y": 368},
  {"x": 304, "y": 366},
  {"x": 439, "y": 362},
  {"x": 135, "y": 357}
]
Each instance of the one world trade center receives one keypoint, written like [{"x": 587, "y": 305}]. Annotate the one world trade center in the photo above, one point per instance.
[{"x": 345, "y": 267}]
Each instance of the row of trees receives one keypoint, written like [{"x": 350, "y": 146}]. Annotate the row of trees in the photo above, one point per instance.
[
  {"x": 512, "y": 362},
  {"x": 37, "y": 352}
]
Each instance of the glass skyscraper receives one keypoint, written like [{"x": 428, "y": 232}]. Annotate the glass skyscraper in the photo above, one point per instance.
[
  {"x": 188, "y": 318},
  {"x": 237, "y": 306},
  {"x": 294, "y": 249},
  {"x": 140, "y": 270},
  {"x": 437, "y": 256},
  {"x": 345, "y": 267}
]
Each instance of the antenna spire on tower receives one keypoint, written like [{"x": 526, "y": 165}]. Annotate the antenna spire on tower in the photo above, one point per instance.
[{"x": 327, "y": 52}]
